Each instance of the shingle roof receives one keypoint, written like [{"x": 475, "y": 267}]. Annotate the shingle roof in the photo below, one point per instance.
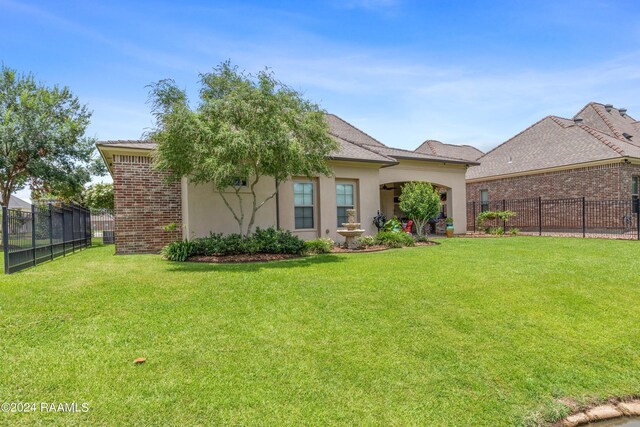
[
  {"x": 610, "y": 122},
  {"x": 343, "y": 129},
  {"x": 399, "y": 153},
  {"x": 354, "y": 145},
  {"x": 129, "y": 143},
  {"x": 17, "y": 203},
  {"x": 465, "y": 152},
  {"x": 554, "y": 142}
]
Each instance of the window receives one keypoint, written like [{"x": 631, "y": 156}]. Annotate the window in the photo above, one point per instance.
[
  {"x": 303, "y": 202},
  {"x": 344, "y": 201},
  {"x": 484, "y": 200}
]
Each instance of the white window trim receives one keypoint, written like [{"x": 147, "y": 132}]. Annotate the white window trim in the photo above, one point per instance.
[
  {"x": 314, "y": 206},
  {"x": 353, "y": 183}
]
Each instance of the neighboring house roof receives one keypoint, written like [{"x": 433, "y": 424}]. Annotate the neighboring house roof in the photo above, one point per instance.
[
  {"x": 466, "y": 152},
  {"x": 17, "y": 203},
  {"x": 559, "y": 142},
  {"x": 354, "y": 145}
]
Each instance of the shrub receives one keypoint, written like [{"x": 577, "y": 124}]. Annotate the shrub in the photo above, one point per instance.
[
  {"x": 421, "y": 239},
  {"x": 274, "y": 241},
  {"x": 178, "y": 251},
  {"x": 514, "y": 231},
  {"x": 394, "y": 239},
  {"x": 366, "y": 241},
  {"x": 498, "y": 231},
  {"x": 392, "y": 224},
  {"x": 484, "y": 217},
  {"x": 420, "y": 202},
  {"x": 319, "y": 246},
  {"x": 268, "y": 240}
]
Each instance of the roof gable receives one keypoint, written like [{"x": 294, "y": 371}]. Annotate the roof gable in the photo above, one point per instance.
[
  {"x": 609, "y": 120},
  {"x": 465, "y": 152}
]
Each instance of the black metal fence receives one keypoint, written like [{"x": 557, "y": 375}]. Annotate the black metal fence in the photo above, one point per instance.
[
  {"x": 574, "y": 217},
  {"x": 47, "y": 232},
  {"x": 103, "y": 225}
]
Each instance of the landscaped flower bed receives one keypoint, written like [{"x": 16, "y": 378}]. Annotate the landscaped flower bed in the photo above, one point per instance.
[{"x": 272, "y": 245}]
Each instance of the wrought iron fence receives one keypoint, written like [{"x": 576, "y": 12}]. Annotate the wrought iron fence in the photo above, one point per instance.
[
  {"x": 47, "y": 232},
  {"x": 103, "y": 225},
  {"x": 574, "y": 217}
]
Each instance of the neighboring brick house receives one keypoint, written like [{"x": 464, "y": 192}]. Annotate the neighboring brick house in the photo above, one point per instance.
[
  {"x": 595, "y": 155},
  {"x": 367, "y": 176}
]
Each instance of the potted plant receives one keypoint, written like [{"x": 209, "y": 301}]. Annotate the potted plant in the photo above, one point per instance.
[{"x": 449, "y": 222}]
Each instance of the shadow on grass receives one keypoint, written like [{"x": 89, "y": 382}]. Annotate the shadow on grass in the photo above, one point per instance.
[{"x": 250, "y": 267}]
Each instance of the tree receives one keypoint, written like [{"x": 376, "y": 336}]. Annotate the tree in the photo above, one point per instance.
[
  {"x": 245, "y": 127},
  {"x": 99, "y": 196},
  {"x": 420, "y": 202},
  {"x": 42, "y": 140}
]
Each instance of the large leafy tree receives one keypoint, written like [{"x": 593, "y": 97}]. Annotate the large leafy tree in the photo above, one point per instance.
[
  {"x": 42, "y": 141},
  {"x": 420, "y": 202},
  {"x": 245, "y": 127},
  {"x": 99, "y": 196}
]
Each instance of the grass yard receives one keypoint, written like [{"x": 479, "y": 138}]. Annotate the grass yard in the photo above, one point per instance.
[{"x": 471, "y": 332}]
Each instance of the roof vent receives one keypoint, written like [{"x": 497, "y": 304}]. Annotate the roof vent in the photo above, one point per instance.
[
  {"x": 626, "y": 135},
  {"x": 578, "y": 120},
  {"x": 623, "y": 111},
  {"x": 510, "y": 160},
  {"x": 608, "y": 107}
]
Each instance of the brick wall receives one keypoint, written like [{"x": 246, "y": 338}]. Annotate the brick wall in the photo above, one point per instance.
[
  {"x": 144, "y": 204},
  {"x": 605, "y": 182},
  {"x": 606, "y": 189}
]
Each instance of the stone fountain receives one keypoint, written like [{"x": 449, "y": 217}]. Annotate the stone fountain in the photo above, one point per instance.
[{"x": 351, "y": 231}]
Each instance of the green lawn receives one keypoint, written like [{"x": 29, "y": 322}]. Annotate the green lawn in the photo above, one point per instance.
[{"x": 471, "y": 332}]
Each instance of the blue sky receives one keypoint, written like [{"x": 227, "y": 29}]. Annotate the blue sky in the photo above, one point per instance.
[{"x": 463, "y": 72}]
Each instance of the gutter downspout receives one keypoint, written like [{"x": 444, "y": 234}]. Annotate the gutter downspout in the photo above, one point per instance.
[{"x": 277, "y": 206}]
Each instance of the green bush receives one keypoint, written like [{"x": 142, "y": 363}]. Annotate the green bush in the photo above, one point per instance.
[
  {"x": 394, "y": 239},
  {"x": 274, "y": 241},
  {"x": 178, "y": 251},
  {"x": 392, "y": 224},
  {"x": 498, "y": 231},
  {"x": 421, "y": 239},
  {"x": 319, "y": 246},
  {"x": 366, "y": 241},
  {"x": 514, "y": 231},
  {"x": 484, "y": 218},
  {"x": 268, "y": 240}
]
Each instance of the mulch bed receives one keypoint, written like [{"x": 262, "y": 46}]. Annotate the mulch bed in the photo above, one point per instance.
[
  {"x": 340, "y": 249},
  {"x": 239, "y": 259}
]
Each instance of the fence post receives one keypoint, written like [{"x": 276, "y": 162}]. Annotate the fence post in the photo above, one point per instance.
[
  {"x": 73, "y": 229},
  {"x": 540, "y": 216},
  {"x": 584, "y": 218},
  {"x": 637, "y": 224},
  {"x": 51, "y": 230},
  {"x": 88, "y": 226},
  {"x": 33, "y": 232},
  {"x": 64, "y": 234},
  {"x": 5, "y": 238},
  {"x": 504, "y": 221}
]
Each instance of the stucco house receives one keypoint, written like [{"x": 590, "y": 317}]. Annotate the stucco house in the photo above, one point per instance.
[
  {"x": 595, "y": 154},
  {"x": 367, "y": 176}
]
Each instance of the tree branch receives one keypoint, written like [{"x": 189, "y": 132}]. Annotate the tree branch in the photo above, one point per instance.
[{"x": 238, "y": 220}]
